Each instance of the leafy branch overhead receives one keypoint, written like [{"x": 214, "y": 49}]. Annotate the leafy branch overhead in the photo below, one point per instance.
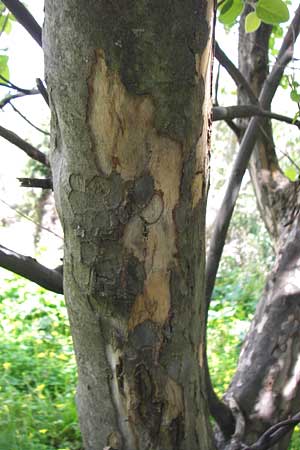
[{"x": 271, "y": 12}]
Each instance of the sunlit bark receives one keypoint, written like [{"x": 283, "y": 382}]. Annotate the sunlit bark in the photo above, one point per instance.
[{"x": 129, "y": 87}]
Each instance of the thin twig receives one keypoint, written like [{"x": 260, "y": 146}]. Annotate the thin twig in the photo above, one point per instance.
[
  {"x": 27, "y": 120},
  {"x": 28, "y": 218},
  {"x": 14, "y": 86},
  {"x": 6, "y": 100}
]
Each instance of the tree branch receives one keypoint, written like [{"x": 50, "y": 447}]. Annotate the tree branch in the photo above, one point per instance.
[
  {"x": 11, "y": 85},
  {"x": 29, "y": 268},
  {"x": 274, "y": 434},
  {"x": 42, "y": 88},
  {"x": 234, "y": 72},
  {"x": 43, "y": 183},
  {"x": 27, "y": 120},
  {"x": 26, "y": 19},
  {"x": 31, "y": 151},
  {"x": 239, "y": 111},
  {"x": 240, "y": 165},
  {"x": 10, "y": 97}
]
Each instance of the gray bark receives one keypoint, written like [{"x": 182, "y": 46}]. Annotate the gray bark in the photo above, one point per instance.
[
  {"x": 129, "y": 93},
  {"x": 266, "y": 384}
]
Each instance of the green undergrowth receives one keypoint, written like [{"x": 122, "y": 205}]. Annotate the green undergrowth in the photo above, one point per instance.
[
  {"x": 37, "y": 370},
  {"x": 231, "y": 310},
  {"x": 232, "y": 307},
  {"x": 37, "y": 366}
]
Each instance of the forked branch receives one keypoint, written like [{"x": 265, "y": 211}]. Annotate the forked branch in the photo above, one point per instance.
[{"x": 240, "y": 165}]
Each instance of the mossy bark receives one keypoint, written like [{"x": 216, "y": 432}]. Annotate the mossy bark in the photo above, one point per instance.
[{"x": 129, "y": 84}]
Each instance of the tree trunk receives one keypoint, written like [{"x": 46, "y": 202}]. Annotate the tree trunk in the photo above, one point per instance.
[
  {"x": 129, "y": 85},
  {"x": 266, "y": 384}
]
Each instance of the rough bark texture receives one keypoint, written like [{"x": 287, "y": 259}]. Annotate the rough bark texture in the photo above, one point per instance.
[
  {"x": 264, "y": 169},
  {"x": 129, "y": 86},
  {"x": 266, "y": 384}
]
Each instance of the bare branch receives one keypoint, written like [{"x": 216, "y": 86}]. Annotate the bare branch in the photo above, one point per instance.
[
  {"x": 10, "y": 97},
  {"x": 29, "y": 268},
  {"x": 239, "y": 111},
  {"x": 240, "y": 165},
  {"x": 11, "y": 85},
  {"x": 234, "y": 72},
  {"x": 42, "y": 88},
  {"x": 274, "y": 434},
  {"x": 43, "y": 183},
  {"x": 20, "y": 213},
  {"x": 29, "y": 149},
  {"x": 26, "y": 19},
  {"x": 27, "y": 120}
]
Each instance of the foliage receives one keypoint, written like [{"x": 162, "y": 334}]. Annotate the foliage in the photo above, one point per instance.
[
  {"x": 268, "y": 11},
  {"x": 236, "y": 293},
  {"x": 238, "y": 287},
  {"x": 37, "y": 370},
  {"x": 5, "y": 27}
]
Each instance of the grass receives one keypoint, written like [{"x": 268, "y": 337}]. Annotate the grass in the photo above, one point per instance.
[
  {"x": 37, "y": 370},
  {"x": 37, "y": 365}
]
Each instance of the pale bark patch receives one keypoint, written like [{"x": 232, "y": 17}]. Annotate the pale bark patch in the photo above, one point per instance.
[
  {"x": 118, "y": 122},
  {"x": 203, "y": 67},
  {"x": 290, "y": 388},
  {"x": 154, "y": 303},
  {"x": 126, "y": 141},
  {"x": 262, "y": 323}
]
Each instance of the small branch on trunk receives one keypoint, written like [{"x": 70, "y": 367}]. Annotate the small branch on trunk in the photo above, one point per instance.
[
  {"x": 29, "y": 268},
  {"x": 240, "y": 111},
  {"x": 29, "y": 149},
  {"x": 42, "y": 88},
  {"x": 43, "y": 183},
  {"x": 26, "y": 19},
  {"x": 274, "y": 434}
]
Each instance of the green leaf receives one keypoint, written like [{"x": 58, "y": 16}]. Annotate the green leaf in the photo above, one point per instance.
[
  {"x": 230, "y": 11},
  {"x": 6, "y": 23},
  {"x": 4, "y": 71},
  {"x": 295, "y": 96},
  {"x": 296, "y": 117},
  {"x": 252, "y": 22},
  {"x": 272, "y": 11},
  {"x": 291, "y": 173}
]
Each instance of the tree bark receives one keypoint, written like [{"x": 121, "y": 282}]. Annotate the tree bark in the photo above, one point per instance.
[
  {"x": 266, "y": 384},
  {"x": 129, "y": 88}
]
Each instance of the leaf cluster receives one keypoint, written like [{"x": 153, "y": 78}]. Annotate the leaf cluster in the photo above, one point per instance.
[{"x": 271, "y": 12}]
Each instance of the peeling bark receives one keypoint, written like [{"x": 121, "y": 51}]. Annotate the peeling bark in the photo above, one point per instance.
[
  {"x": 130, "y": 98},
  {"x": 266, "y": 385}
]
